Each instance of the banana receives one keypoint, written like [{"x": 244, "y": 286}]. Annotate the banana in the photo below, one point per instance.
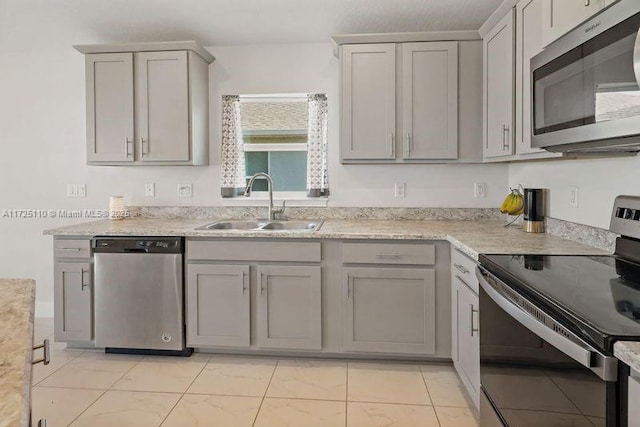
[{"x": 513, "y": 204}]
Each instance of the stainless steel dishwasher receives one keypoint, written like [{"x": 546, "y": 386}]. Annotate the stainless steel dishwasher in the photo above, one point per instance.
[{"x": 139, "y": 295}]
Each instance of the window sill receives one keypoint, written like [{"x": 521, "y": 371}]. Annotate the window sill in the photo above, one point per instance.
[{"x": 293, "y": 200}]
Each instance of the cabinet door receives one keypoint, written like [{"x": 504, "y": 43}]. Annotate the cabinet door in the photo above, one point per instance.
[
  {"x": 289, "y": 307},
  {"x": 368, "y": 122},
  {"x": 561, "y": 16},
  {"x": 389, "y": 310},
  {"x": 73, "y": 317},
  {"x": 468, "y": 337},
  {"x": 162, "y": 106},
  {"x": 634, "y": 398},
  {"x": 218, "y": 304},
  {"x": 109, "y": 86},
  {"x": 430, "y": 100},
  {"x": 499, "y": 82}
]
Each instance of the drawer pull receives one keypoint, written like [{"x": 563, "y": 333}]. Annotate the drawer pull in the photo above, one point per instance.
[
  {"x": 394, "y": 256},
  {"x": 70, "y": 249},
  {"x": 46, "y": 357},
  {"x": 474, "y": 330},
  {"x": 83, "y": 283},
  {"x": 42, "y": 423},
  {"x": 461, "y": 268}
]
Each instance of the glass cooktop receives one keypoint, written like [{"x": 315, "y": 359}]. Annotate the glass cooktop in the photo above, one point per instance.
[{"x": 598, "y": 297}]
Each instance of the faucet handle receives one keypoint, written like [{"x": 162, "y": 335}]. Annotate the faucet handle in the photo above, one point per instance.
[{"x": 280, "y": 211}]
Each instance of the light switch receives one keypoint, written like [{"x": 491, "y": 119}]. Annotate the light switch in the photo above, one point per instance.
[
  {"x": 479, "y": 190},
  {"x": 573, "y": 196},
  {"x": 76, "y": 190},
  {"x": 401, "y": 189}
]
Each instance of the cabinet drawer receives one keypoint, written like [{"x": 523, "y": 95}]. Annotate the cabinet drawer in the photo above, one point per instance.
[
  {"x": 63, "y": 248},
  {"x": 253, "y": 251},
  {"x": 388, "y": 253},
  {"x": 464, "y": 268}
]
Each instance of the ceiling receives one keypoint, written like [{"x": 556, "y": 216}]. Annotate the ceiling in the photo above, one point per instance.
[{"x": 230, "y": 22}]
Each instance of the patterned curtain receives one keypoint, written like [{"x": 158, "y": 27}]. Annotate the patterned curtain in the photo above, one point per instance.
[
  {"x": 317, "y": 179},
  {"x": 232, "y": 161}
]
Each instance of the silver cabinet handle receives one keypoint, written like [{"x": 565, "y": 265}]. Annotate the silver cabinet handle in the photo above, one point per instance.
[
  {"x": 461, "y": 268},
  {"x": 473, "y": 328},
  {"x": 636, "y": 58},
  {"x": 46, "y": 357},
  {"x": 505, "y": 141},
  {"x": 127, "y": 141},
  {"x": 144, "y": 141},
  {"x": 395, "y": 256},
  {"x": 409, "y": 143},
  {"x": 42, "y": 423},
  {"x": 261, "y": 283},
  {"x": 84, "y": 284},
  {"x": 349, "y": 287},
  {"x": 587, "y": 3},
  {"x": 393, "y": 145},
  {"x": 244, "y": 281},
  {"x": 70, "y": 249}
]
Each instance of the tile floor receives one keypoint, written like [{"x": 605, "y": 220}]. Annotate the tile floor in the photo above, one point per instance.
[{"x": 89, "y": 388}]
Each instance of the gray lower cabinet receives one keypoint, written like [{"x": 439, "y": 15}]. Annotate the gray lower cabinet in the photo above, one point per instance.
[
  {"x": 389, "y": 310},
  {"x": 218, "y": 305},
  {"x": 73, "y": 301},
  {"x": 467, "y": 346},
  {"x": 289, "y": 307},
  {"x": 634, "y": 398}
]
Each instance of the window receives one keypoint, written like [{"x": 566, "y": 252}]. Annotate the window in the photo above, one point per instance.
[
  {"x": 274, "y": 133},
  {"x": 284, "y": 136}
]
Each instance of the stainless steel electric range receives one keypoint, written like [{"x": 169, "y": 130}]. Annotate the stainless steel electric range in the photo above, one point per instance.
[{"x": 547, "y": 329}]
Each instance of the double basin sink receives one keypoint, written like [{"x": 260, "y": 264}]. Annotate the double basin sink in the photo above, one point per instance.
[{"x": 264, "y": 225}]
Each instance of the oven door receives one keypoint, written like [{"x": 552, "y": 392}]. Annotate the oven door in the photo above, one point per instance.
[
  {"x": 589, "y": 91},
  {"x": 534, "y": 376}
]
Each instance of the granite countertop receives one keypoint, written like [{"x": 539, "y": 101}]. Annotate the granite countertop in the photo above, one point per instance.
[
  {"x": 17, "y": 298},
  {"x": 472, "y": 237},
  {"x": 629, "y": 353}
]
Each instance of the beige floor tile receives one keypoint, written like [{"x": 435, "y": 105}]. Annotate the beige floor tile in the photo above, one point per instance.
[
  {"x": 59, "y": 358},
  {"x": 127, "y": 408},
  {"x": 60, "y": 406},
  {"x": 542, "y": 418},
  {"x": 455, "y": 417},
  {"x": 92, "y": 370},
  {"x": 200, "y": 410},
  {"x": 277, "y": 412},
  {"x": 390, "y": 415},
  {"x": 234, "y": 376},
  {"x": 166, "y": 374},
  {"x": 386, "y": 383},
  {"x": 306, "y": 379},
  {"x": 444, "y": 386},
  {"x": 584, "y": 390}
]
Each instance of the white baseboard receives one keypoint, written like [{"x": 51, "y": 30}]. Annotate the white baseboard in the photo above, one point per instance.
[{"x": 44, "y": 309}]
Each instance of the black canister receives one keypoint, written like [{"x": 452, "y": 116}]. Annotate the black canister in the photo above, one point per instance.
[{"x": 533, "y": 210}]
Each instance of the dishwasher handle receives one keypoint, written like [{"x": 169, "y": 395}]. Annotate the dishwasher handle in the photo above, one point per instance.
[{"x": 136, "y": 250}]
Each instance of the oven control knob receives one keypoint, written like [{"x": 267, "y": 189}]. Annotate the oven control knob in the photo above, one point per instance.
[{"x": 166, "y": 338}]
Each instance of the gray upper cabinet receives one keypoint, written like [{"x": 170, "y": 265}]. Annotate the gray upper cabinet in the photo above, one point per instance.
[
  {"x": 368, "y": 122},
  {"x": 110, "y": 133},
  {"x": 147, "y": 104},
  {"x": 73, "y": 301},
  {"x": 389, "y": 310},
  {"x": 499, "y": 61},
  {"x": 162, "y": 106},
  {"x": 430, "y": 100},
  {"x": 289, "y": 307},
  {"x": 218, "y": 305}
]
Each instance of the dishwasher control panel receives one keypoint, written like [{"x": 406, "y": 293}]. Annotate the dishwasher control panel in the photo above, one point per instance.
[{"x": 138, "y": 244}]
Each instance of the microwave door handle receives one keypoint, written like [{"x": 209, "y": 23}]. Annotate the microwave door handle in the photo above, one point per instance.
[
  {"x": 636, "y": 58},
  {"x": 604, "y": 366}
]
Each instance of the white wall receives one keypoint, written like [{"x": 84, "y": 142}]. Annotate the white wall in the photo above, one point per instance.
[
  {"x": 599, "y": 181},
  {"x": 42, "y": 147}
]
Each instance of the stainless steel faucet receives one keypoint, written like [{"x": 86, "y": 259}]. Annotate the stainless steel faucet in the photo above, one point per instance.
[{"x": 247, "y": 192}]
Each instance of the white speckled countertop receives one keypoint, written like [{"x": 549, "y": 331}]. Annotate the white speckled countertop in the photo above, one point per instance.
[
  {"x": 472, "y": 237},
  {"x": 17, "y": 300},
  {"x": 629, "y": 353}
]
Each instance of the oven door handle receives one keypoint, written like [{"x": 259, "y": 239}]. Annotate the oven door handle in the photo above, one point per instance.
[{"x": 603, "y": 366}]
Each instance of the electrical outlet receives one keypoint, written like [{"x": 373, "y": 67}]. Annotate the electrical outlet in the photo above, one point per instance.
[
  {"x": 150, "y": 189},
  {"x": 185, "y": 190},
  {"x": 401, "y": 189},
  {"x": 76, "y": 190},
  {"x": 479, "y": 190},
  {"x": 574, "y": 196}
]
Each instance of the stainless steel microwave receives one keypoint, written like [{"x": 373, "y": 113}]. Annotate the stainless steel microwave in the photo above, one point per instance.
[{"x": 586, "y": 86}]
